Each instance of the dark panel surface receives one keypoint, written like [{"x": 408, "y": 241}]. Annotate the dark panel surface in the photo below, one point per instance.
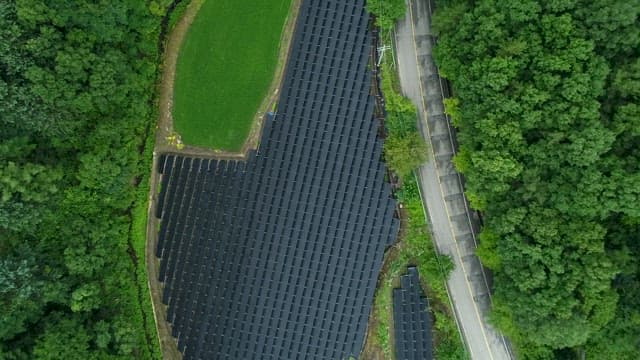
[
  {"x": 277, "y": 257},
  {"x": 411, "y": 319}
]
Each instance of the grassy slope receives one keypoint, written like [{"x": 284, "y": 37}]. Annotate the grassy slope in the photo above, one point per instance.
[{"x": 224, "y": 70}]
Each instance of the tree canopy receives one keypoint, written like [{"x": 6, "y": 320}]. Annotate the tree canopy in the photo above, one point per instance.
[
  {"x": 77, "y": 89},
  {"x": 546, "y": 104}
]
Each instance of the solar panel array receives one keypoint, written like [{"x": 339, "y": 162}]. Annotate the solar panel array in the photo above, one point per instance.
[
  {"x": 411, "y": 319},
  {"x": 277, "y": 257}
]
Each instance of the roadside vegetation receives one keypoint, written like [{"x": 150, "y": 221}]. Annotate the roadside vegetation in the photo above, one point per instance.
[
  {"x": 224, "y": 70},
  {"x": 404, "y": 148},
  {"x": 404, "y": 151},
  {"x": 178, "y": 12},
  {"x": 547, "y": 103},
  {"x": 416, "y": 248},
  {"x": 77, "y": 98}
]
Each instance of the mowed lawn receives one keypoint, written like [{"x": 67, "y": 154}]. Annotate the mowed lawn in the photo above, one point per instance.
[{"x": 224, "y": 70}]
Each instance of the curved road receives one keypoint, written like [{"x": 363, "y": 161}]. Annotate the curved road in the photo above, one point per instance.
[{"x": 454, "y": 226}]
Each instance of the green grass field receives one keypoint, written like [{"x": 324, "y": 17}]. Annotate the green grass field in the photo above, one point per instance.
[{"x": 224, "y": 70}]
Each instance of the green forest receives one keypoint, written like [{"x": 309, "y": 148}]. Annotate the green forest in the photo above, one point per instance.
[
  {"x": 547, "y": 105},
  {"x": 77, "y": 118}
]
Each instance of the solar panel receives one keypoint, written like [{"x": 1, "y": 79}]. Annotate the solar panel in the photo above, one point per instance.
[
  {"x": 411, "y": 319},
  {"x": 277, "y": 257}
]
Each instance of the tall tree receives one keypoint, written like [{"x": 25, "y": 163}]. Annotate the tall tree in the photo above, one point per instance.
[{"x": 546, "y": 106}]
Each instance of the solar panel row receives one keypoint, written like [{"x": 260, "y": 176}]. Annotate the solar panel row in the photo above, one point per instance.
[
  {"x": 277, "y": 257},
  {"x": 411, "y": 319}
]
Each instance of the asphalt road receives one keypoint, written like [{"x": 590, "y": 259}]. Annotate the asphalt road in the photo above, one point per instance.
[{"x": 454, "y": 226}]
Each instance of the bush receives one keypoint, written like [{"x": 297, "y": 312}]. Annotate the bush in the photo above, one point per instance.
[{"x": 405, "y": 153}]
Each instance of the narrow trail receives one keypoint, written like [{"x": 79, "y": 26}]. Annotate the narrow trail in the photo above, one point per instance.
[{"x": 164, "y": 130}]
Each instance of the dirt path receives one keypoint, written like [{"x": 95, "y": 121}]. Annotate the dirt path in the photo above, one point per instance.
[
  {"x": 167, "y": 141},
  {"x": 165, "y": 137}
]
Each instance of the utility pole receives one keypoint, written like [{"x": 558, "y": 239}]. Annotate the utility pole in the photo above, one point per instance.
[{"x": 381, "y": 51}]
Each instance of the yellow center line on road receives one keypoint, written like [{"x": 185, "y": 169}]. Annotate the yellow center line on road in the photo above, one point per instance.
[{"x": 424, "y": 110}]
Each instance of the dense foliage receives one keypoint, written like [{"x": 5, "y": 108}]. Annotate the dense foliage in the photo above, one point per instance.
[
  {"x": 76, "y": 108},
  {"x": 548, "y": 110},
  {"x": 387, "y": 12},
  {"x": 404, "y": 148}
]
